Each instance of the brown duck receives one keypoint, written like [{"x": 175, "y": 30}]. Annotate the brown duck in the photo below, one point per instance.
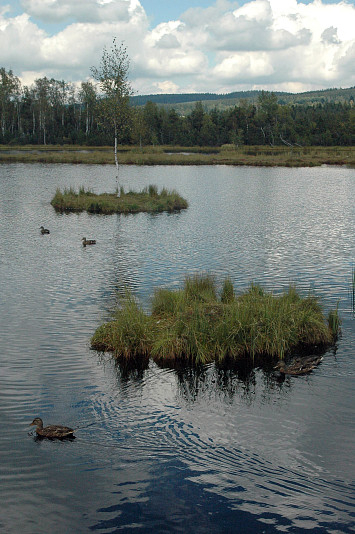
[
  {"x": 52, "y": 431},
  {"x": 298, "y": 366},
  {"x": 44, "y": 230},
  {"x": 88, "y": 241}
]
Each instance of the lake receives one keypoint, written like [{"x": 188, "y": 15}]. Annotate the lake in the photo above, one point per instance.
[{"x": 162, "y": 450}]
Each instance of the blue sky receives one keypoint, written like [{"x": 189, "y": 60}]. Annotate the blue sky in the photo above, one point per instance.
[{"x": 185, "y": 45}]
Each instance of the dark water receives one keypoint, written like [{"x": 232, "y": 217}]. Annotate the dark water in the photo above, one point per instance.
[{"x": 164, "y": 450}]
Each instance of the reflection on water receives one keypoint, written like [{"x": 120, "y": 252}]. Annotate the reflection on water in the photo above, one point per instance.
[{"x": 205, "y": 449}]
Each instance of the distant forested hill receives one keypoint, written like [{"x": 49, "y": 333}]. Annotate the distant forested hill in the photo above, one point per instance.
[{"x": 184, "y": 103}]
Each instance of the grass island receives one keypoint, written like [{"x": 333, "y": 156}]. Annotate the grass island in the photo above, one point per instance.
[
  {"x": 198, "y": 324},
  {"x": 147, "y": 200}
]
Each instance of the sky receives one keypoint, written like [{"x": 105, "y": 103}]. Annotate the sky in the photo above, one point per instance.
[{"x": 184, "y": 46}]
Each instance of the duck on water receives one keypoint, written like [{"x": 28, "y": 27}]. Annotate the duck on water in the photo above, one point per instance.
[
  {"x": 298, "y": 366},
  {"x": 88, "y": 241},
  {"x": 52, "y": 431},
  {"x": 44, "y": 230}
]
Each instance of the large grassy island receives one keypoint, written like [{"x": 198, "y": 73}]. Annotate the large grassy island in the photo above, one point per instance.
[
  {"x": 147, "y": 200},
  {"x": 265, "y": 155},
  {"x": 198, "y": 325}
]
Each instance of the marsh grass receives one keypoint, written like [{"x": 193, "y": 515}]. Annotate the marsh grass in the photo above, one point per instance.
[
  {"x": 195, "y": 324},
  {"x": 147, "y": 200},
  {"x": 177, "y": 155},
  {"x": 128, "y": 335},
  {"x": 334, "y": 321}
]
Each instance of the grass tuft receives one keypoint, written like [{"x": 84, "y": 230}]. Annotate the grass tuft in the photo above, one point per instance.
[
  {"x": 148, "y": 200},
  {"x": 196, "y": 325},
  {"x": 128, "y": 335}
]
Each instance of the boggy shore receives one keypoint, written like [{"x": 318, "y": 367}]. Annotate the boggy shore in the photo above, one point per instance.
[{"x": 307, "y": 156}]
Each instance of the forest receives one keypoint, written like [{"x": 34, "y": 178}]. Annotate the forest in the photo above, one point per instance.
[{"x": 58, "y": 112}]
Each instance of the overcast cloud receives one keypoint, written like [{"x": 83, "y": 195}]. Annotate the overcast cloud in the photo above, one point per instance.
[{"x": 269, "y": 44}]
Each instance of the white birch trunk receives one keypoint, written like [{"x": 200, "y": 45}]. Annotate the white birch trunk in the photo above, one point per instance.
[{"x": 116, "y": 161}]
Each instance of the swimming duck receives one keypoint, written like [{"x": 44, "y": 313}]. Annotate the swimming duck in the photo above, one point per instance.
[
  {"x": 44, "y": 230},
  {"x": 88, "y": 241},
  {"x": 52, "y": 431},
  {"x": 298, "y": 366}
]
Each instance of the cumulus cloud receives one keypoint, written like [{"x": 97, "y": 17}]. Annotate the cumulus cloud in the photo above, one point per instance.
[
  {"x": 272, "y": 44},
  {"x": 20, "y": 42}
]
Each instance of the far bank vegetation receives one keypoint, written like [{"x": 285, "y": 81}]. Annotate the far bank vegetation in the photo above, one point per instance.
[{"x": 56, "y": 112}]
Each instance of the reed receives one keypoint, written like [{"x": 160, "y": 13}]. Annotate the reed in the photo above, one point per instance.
[
  {"x": 195, "y": 324},
  {"x": 334, "y": 321},
  {"x": 148, "y": 200}
]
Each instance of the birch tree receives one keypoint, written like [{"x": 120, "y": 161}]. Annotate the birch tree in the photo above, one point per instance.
[
  {"x": 88, "y": 97},
  {"x": 9, "y": 88},
  {"x": 112, "y": 75},
  {"x": 42, "y": 93}
]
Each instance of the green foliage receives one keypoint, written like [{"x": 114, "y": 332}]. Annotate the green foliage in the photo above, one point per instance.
[{"x": 112, "y": 75}]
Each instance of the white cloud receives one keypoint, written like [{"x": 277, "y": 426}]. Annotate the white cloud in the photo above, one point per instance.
[
  {"x": 166, "y": 87},
  {"x": 225, "y": 47},
  {"x": 81, "y": 10},
  {"x": 20, "y": 42},
  {"x": 251, "y": 67}
]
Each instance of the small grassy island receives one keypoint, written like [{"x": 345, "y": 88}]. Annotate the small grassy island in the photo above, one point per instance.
[
  {"x": 197, "y": 325},
  {"x": 147, "y": 200}
]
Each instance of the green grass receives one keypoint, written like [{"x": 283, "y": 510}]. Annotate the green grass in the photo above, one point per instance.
[
  {"x": 147, "y": 200},
  {"x": 129, "y": 335},
  {"x": 199, "y": 324},
  {"x": 173, "y": 155}
]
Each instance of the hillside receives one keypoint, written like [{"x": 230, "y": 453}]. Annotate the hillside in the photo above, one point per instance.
[{"x": 183, "y": 103}]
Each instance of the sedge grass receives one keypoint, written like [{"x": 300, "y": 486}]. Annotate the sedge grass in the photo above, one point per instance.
[
  {"x": 129, "y": 335},
  {"x": 196, "y": 324},
  {"x": 147, "y": 200}
]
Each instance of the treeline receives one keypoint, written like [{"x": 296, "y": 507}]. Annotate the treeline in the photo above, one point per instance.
[
  {"x": 56, "y": 112},
  {"x": 185, "y": 101}
]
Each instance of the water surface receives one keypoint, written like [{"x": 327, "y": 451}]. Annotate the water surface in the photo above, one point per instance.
[{"x": 162, "y": 450}]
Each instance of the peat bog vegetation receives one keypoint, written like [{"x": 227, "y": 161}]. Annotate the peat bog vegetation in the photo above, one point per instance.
[
  {"x": 265, "y": 155},
  {"x": 147, "y": 200},
  {"x": 199, "y": 324}
]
